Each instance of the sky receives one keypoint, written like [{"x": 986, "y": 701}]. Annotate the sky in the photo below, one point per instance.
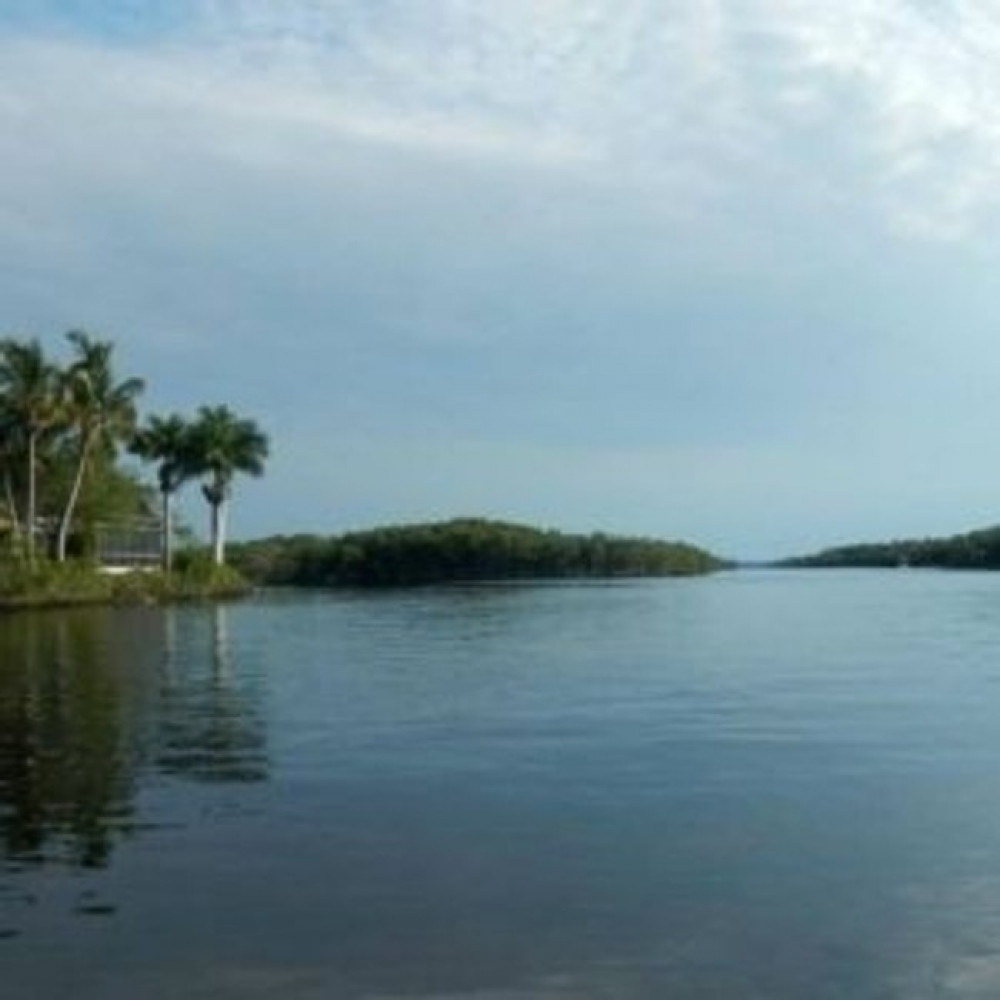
[{"x": 703, "y": 269}]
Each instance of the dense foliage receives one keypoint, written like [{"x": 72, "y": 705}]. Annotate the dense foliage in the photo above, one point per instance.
[
  {"x": 62, "y": 426},
  {"x": 216, "y": 447},
  {"x": 972, "y": 550},
  {"x": 461, "y": 550},
  {"x": 76, "y": 582}
]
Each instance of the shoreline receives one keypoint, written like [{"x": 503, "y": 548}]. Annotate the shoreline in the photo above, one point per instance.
[{"x": 71, "y": 585}]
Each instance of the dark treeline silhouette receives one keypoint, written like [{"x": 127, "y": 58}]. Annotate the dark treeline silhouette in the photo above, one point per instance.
[
  {"x": 972, "y": 550},
  {"x": 465, "y": 549}
]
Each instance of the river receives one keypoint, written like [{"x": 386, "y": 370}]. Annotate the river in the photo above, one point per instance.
[{"x": 760, "y": 785}]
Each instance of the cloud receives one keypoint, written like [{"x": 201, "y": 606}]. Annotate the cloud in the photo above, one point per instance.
[
  {"x": 886, "y": 102},
  {"x": 899, "y": 96},
  {"x": 620, "y": 82},
  {"x": 920, "y": 83},
  {"x": 693, "y": 242}
]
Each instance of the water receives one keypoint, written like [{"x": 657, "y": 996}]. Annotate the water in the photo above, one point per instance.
[{"x": 759, "y": 785}]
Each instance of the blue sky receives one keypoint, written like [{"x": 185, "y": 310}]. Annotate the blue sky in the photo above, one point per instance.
[{"x": 689, "y": 268}]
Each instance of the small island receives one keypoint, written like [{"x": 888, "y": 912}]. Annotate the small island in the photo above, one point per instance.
[
  {"x": 978, "y": 549},
  {"x": 461, "y": 550}
]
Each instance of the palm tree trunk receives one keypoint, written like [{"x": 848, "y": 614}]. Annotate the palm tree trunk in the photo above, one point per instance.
[
  {"x": 219, "y": 532},
  {"x": 74, "y": 496},
  {"x": 168, "y": 531},
  {"x": 8, "y": 489},
  {"x": 31, "y": 513}
]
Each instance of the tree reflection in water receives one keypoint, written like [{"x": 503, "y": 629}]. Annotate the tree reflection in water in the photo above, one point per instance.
[
  {"x": 212, "y": 727},
  {"x": 90, "y": 699}
]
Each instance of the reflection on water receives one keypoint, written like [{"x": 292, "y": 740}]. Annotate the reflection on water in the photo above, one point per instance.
[
  {"x": 65, "y": 732},
  {"x": 90, "y": 699},
  {"x": 759, "y": 786},
  {"x": 211, "y": 726}
]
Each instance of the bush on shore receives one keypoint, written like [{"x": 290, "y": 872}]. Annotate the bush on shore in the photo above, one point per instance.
[{"x": 71, "y": 583}]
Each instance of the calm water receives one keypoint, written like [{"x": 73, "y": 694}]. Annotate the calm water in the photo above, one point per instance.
[{"x": 757, "y": 786}]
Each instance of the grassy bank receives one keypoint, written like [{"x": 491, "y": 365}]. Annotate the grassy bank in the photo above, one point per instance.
[{"x": 77, "y": 583}]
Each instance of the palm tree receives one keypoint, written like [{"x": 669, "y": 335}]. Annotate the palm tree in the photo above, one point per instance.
[
  {"x": 223, "y": 445},
  {"x": 166, "y": 440},
  {"x": 101, "y": 410},
  {"x": 31, "y": 393},
  {"x": 10, "y": 457}
]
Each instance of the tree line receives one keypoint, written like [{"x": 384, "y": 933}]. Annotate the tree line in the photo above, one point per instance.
[
  {"x": 464, "y": 549},
  {"x": 64, "y": 425},
  {"x": 970, "y": 550}
]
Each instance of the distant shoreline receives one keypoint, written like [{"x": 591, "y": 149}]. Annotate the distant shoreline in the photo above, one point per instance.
[
  {"x": 462, "y": 550},
  {"x": 979, "y": 549}
]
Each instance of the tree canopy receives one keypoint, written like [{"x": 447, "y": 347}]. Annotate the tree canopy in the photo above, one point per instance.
[
  {"x": 222, "y": 445},
  {"x": 978, "y": 549},
  {"x": 62, "y": 425},
  {"x": 464, "y": 549}
]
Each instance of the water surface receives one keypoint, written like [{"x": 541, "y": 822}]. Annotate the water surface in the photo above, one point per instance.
[{"x": 756, "y": 785}]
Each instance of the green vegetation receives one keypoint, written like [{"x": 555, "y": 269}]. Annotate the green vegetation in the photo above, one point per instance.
[
  {"x": 64, "y": 425},
  {"x": 217, "y": 445},
  {"x": 76, "y": 582},
  {"x": 63, "y": 487},
  {"x": 95, "y": 412},
  {"x": 461, "y": 550},
  {"x": 972, "y": 550},
  {"x": 164, "y": 440}
]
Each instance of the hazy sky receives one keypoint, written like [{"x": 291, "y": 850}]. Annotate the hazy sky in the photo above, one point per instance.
[{"x": 714, "y": 269}]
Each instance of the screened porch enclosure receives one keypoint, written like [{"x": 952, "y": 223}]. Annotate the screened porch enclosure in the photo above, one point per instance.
[{"x": 132, "y": 544}]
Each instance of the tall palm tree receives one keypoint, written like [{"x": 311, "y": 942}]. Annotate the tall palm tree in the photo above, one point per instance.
[
  {"x": 32, "y": 401},
  {"x": 101, "y": 410},
  {"x": 166, "y": 440},
  {"x": 223, "y": 445},
  {"x": 11, "y": 454}
]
